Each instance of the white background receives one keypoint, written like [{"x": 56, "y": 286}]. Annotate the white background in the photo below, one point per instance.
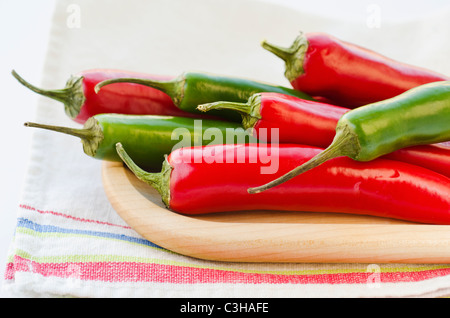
[{"x": 24, "y": 29}]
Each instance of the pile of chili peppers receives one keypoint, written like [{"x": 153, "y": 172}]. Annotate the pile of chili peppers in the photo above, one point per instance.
[{"x": 356, "y": 132}]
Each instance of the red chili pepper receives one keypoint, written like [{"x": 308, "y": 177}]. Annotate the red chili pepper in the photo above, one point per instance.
[
  {"x": 346, "y": 74},
  {"x": 82, "y": 102},
  {"x": 380, "y": 187},
  {"x": 306, "y": 122},
  {"x": 434, "y": 157}
]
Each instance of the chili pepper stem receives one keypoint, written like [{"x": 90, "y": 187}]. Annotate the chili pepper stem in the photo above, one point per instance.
[
  {"x": 172, "y": 88},
  {"x": 158, "y": 180},
  {"x": 81, "y": 133},
  {"x": 344, "y": 144},
  {"x": 250, "y": 111},
  {"x": 72, "y": 96},
  {"x": 91, "y": 135},
  {"x": 293, "y": 56}
]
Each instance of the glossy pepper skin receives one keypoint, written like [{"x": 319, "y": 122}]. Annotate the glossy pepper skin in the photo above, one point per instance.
[
  {"x": 305, "y": 122},
  {"x": 149, "y": 138},
  {"x": 417, "y": 117},
  {"x": 380, "y": 188},
  {"x": 346, "y": 74},
  {"x": 193, "y": 88},
  {"x": 82, "y": 102}
]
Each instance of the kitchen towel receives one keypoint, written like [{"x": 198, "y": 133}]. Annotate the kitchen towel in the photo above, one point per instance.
[{"x": 69, "y": 241}]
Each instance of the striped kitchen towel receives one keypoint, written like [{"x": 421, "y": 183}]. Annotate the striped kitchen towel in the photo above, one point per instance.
[
  {"x": 60, "y": 254},
  {"x": 69, "y": 241}
]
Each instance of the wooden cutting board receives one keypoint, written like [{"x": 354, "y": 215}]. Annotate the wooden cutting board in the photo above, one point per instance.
[{"x": 271, "y": 236}]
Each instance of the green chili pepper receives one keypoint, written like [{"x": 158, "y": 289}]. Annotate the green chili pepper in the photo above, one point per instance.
[
  {"x": 192, "y": 89},
  {"x": 417, "y": 117},
  {"x": 149, "y": 138}
]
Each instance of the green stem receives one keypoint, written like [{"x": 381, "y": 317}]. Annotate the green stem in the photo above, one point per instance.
[
  {"x": 344, "y": 144},
  {"x": 72, "y": 96},
  {"x": 243, "y": 108},
  {"x": 158, "y": 180},
  {"x": 250, "y": 111},
  {"x": 293, "y": 56},
  {"x": 81, "y": 133},
  {"x": 91, "y": 135},
  {"x": 282, "y": 52},
  {"x": 324, "y": 156},
  {"x": 57, "y": 94},
  {"x": 173, "y": 88}
]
